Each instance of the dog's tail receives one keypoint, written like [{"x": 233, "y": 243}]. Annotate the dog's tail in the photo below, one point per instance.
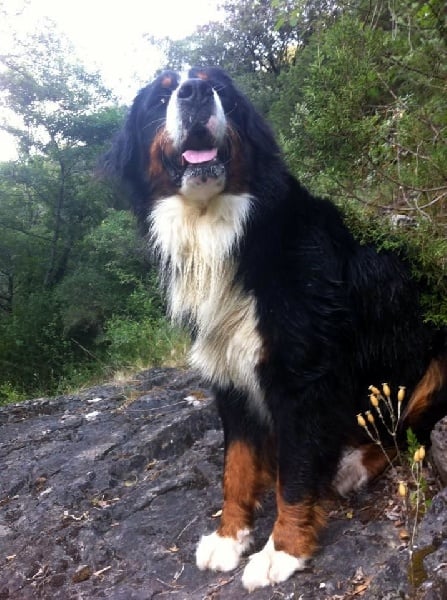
[{"x": 428, "y": 402}]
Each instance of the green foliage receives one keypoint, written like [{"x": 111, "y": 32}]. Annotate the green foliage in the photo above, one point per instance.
[
  {"x": 105, "y": 268},
  {"x": 9, "y": 394},
  {"x": 49, "y": 90},
  {"x": 32, "y": 354},
  {"x": 412, "y": 445},
  {"x": 362, "y": 118},
  {"x": 422, "y": 244},
  {"x": 358, "y": 96},
  {"x": 61, "y": 121},
  {"x": 362, "y": 112},
  {"x": 251, "y": 38},
  {"x": 332, "y": 120},
  {"x": 72, "y": 277},
  {"x": 144, "y": 341}
]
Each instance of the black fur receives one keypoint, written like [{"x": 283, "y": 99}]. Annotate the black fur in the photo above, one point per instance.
[{"x": 334, "y": 316}]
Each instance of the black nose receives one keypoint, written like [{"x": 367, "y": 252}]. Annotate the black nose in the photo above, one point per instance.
[{"x": 195, "y": 91}]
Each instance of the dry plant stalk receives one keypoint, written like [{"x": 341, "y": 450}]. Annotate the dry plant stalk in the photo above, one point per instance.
[
  {"x": 383, "y": 406},
  {"x": 390, "y": 417}
]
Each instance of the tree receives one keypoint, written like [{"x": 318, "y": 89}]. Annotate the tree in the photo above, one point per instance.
[
  {"x": 326, "y": 113},
  {"x": 75, "y": 293},
  {"x": 50, "y": 199},
  {"x": 255, "y": 42},
  {"x": 247, "y": 40},
  {"x": 363, "y": 111},
  {"x": 62, "y": 118}
]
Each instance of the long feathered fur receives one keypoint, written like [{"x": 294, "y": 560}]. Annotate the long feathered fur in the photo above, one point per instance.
[{"x": 292, "y": 319}]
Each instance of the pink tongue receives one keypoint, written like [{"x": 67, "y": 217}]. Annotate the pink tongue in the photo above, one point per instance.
[{"x": 199, "y": 156}]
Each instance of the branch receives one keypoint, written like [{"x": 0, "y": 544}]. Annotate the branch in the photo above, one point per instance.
[
  {"x": 413, "y": 188},
  {"x": 430, "y": 75},
  {"x": 40, "y": 237}
]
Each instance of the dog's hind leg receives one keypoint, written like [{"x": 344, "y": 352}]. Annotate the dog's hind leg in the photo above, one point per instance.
[{"x": 359, "y": 465}]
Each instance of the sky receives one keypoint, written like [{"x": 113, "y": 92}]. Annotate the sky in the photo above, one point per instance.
[{"x": 109, "y": 35}]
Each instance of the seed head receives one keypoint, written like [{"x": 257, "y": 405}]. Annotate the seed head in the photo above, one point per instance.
[
  {"x": 360, "y": 420},
  {"x": 422, "y": 453},
  {"x": 369, "y": 416},
  {"x": 419, "y": 455},
  {"x": 404, "y": 535},
  {"x": 401, "y": 393},
  {"x": 374, "y": 400},
  {"x": 374, "y": 390},
  {"x": 402, "y": 489},
  {"x": 386, "y": 390}
]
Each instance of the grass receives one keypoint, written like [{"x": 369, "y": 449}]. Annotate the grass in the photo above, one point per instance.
[{"x": 129, "y": 346}]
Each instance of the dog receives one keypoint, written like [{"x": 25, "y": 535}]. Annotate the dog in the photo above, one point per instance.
[{"x": 291, "y": 318}]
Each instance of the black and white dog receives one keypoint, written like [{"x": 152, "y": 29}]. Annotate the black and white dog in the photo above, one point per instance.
[{"x": 292, "y": 319}]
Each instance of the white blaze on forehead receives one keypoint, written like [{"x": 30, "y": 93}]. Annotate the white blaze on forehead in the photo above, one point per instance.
[
  {"x": 218, "y": 122},
  {"x": 174, "y": 125}
]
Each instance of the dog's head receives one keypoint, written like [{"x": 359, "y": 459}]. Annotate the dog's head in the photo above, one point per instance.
[{"x": 196, "y": 136}]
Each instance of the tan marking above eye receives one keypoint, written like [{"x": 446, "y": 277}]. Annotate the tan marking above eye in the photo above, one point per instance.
[{"x": 166, "y": 81}]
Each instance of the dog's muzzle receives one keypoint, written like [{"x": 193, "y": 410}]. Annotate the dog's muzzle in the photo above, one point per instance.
[{"x": 196, "y": 123}]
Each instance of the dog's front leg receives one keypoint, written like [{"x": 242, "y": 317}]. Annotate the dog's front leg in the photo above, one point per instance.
[
  {"x": 305, "y": 465},
  {"x": 292, "y": 542},
  {"x": 247, "y": 472}
]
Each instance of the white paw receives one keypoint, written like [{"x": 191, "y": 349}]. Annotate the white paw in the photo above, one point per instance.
[
  {"x": 222, "y": 553},
  {"x": 270, "y": 566}
]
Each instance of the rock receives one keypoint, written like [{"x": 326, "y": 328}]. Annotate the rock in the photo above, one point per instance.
[
  {"x": 439, "y": 449},
  {"x": 104, "y": 494},
  {"x": 428, "y": 563},
  {"x": 82, "y": 573}
]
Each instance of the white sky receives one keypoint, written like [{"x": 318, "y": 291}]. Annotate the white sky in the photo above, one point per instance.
[{"x": 108, "y": 34}]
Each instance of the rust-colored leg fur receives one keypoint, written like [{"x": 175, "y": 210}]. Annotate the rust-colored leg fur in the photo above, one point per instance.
[
  {"x": 297, "y": 526},
  {"x": 246, "y": 476}
]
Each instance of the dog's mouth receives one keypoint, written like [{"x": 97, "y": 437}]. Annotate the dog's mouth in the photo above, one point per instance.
[
  {"x": 199, "y": 158},
  {"x": 202, "y": 164},
  {"x": 200, "y": 148}
]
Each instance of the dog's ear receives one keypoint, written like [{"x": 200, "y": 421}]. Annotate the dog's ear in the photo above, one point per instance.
[
  {"x": 128, "y": 155},
  {"x": 124, "y": 149},
  {"x": 127, "y": 161},
  {"x": 257, "y": 130}
]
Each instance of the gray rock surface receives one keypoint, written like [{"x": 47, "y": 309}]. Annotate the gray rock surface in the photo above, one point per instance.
[
  {"x": 104, "y": 494},
  {"x": 439, "y": 449}
]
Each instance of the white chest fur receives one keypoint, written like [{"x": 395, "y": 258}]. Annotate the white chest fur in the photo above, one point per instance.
[{"x": 195, "y": 244}]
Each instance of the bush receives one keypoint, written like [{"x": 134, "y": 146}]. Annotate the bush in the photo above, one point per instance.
[
  {"x": 147, "y": 342},
  {"x": 422, "y": 245}
]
